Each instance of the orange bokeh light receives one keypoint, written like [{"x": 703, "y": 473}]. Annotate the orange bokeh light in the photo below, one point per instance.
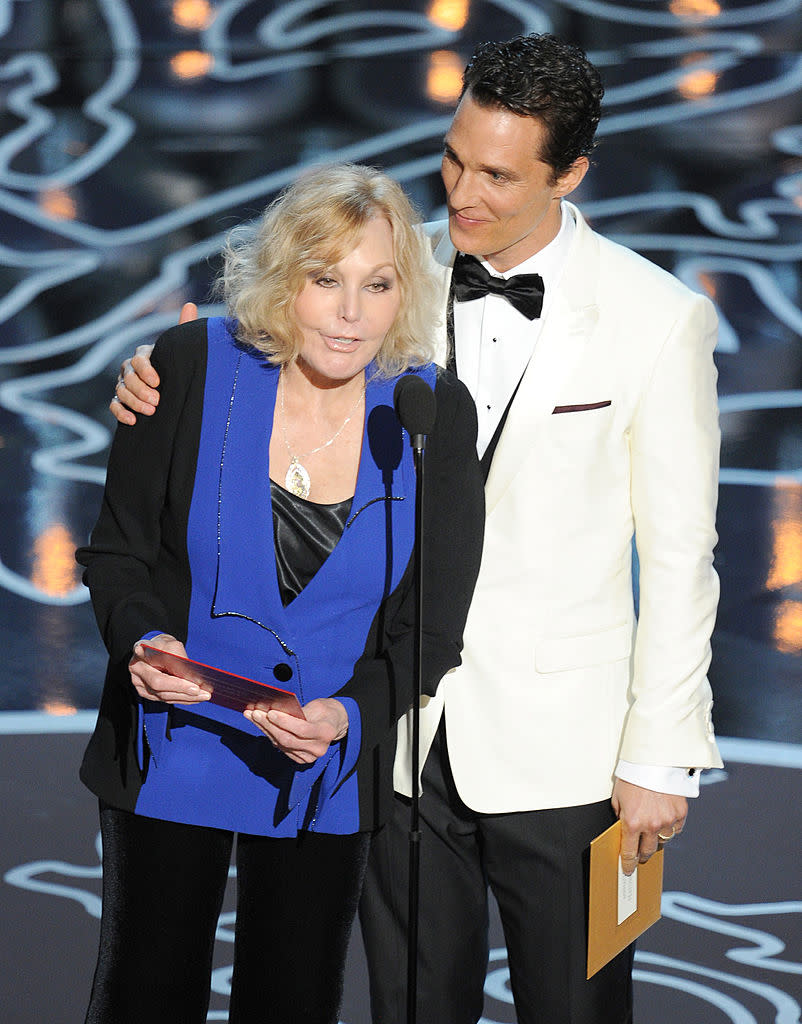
[
  {"x": 55, "y": 570},
  {"x": 191, "y": 64}
]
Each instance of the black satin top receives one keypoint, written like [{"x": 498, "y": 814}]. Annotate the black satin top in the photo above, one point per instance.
[{"x": 305, "y": 534}]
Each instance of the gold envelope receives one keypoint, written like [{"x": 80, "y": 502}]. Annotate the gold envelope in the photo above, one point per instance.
[{"x": 606, "y": 938}]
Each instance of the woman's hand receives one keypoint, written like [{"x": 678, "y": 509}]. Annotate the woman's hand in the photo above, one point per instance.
[
  {"x": 303, "y": 740},
  {"x": 152, "y": 684}
]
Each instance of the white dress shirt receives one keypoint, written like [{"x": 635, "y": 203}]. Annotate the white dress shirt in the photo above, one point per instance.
[{"x": 493, "y": 344}]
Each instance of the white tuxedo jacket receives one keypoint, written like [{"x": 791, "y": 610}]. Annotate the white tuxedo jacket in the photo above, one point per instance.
[{"x": 613, "y": 432}]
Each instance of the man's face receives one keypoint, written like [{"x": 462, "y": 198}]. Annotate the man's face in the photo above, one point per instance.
[{"x": 503, "y": 202}]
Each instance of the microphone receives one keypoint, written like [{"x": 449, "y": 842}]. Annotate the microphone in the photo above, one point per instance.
[{"x": 416, "y": 408}]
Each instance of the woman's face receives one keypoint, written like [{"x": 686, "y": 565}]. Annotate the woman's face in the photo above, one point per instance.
[{"x": 345, "y": 312}]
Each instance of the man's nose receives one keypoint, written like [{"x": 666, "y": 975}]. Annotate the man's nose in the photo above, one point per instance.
[{"x": 462, "y": 191}]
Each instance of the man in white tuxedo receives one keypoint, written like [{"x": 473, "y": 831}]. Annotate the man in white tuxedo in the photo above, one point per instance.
[{"x": 593, "y": 375}]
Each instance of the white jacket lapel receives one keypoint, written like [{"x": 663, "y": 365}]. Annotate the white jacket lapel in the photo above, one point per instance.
[
  {"x": 443, "y": 254},
  {"x": 566, "y": 334}
]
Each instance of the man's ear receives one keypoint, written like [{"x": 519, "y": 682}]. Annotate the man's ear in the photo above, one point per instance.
[{"x": 572, "y": 178}]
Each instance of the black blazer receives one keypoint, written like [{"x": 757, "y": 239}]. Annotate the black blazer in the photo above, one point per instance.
[{"x": 138, "y": 569}]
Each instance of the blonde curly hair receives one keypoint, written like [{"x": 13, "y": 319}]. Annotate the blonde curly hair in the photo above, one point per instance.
[{"x": 315, "y": 223}]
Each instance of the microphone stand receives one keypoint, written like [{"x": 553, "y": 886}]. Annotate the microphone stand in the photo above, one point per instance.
[
  {"x": 415, "y": 406},
  {"x": 418, "y": 441}
]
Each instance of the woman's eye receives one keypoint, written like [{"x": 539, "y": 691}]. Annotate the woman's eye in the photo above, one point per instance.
[
  {"x": 380, "y": 286},
  {"x": 326, "y": 282}
]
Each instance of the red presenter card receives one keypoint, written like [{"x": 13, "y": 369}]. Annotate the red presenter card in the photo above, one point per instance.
[{"x": 226, "y": 688}]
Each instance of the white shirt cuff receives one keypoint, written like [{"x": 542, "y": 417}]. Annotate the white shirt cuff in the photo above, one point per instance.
[{"x": 660, "y": 778}]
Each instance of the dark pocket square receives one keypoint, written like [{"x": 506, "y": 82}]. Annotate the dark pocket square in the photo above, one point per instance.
[{"x": 580, "y": 408}]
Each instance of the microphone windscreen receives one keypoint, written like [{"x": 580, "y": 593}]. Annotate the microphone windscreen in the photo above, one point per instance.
[{"x": 415, "y": 404}]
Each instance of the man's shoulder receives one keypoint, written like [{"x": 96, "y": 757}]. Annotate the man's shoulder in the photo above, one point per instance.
[
  {"x": 646, "y": 294},
  {"x": 621, "y": 265},
  {"x": 435, "y": 227},
  {"x": 436, "y": 230}
]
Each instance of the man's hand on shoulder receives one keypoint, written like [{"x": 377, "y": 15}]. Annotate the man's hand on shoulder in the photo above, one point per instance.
[
  {"x": 647, "y": 820},
  {"x": 136, "y": 388}
]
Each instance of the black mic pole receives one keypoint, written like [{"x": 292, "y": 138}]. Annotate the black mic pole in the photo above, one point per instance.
[
  {"x": 414, "y": 818},
  {"x": 416, "y": 407}
]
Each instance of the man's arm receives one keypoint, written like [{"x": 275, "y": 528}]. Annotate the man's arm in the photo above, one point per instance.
[
  {"x": 136, "y": 388},
  {"x": 674, "y": 444}
]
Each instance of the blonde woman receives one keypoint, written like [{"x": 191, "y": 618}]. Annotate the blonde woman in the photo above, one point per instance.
[{"x": 262, "y": 521}]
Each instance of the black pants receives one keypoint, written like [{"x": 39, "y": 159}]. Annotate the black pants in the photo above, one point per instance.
[
  {"x": 536, "y": 865},
  {"x": 163, "y": 886}
]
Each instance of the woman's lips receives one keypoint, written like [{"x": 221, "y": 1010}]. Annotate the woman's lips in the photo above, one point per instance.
[{"x": 339, "y": 343}]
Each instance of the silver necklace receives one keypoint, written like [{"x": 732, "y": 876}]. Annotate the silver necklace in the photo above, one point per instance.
[{"x": 297, "y": 479}]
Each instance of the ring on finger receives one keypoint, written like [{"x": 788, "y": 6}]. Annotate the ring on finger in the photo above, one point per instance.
[{"x": 665, "y": 839}]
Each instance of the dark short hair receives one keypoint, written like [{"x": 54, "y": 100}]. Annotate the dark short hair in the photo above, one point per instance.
[{"x": 544, "y": 77}]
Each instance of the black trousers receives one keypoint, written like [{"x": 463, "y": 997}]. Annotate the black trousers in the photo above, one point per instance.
[
  {"x": 536, "y": 864},
  {"x": 163, "y": 886}
]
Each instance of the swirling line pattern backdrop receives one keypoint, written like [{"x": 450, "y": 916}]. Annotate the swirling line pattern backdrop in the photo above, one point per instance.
[{"x": 134, "y": 134}]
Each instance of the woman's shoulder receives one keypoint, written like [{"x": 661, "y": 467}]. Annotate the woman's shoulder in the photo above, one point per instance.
[
  {"x": 456, "y": 409},
  {"x": 185, "y": 347},
  {"x": 454, "y": 404},
  {"x": 180, "y": 355},
  {"x": 451, "y": 389},
  {"x": 447, "y": 387},
  {"x": 196, "y": 335},
  {"x": 183, "y": 341}
]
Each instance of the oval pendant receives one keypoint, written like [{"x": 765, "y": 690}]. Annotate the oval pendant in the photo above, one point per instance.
[{"x": 297, "y": 480}]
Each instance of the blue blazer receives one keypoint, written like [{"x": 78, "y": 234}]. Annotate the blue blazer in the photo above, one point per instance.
[{"x": 184, "y": 545}]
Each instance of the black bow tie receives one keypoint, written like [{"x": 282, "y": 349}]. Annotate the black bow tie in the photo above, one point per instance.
[{"x": 472, "y": 281}]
